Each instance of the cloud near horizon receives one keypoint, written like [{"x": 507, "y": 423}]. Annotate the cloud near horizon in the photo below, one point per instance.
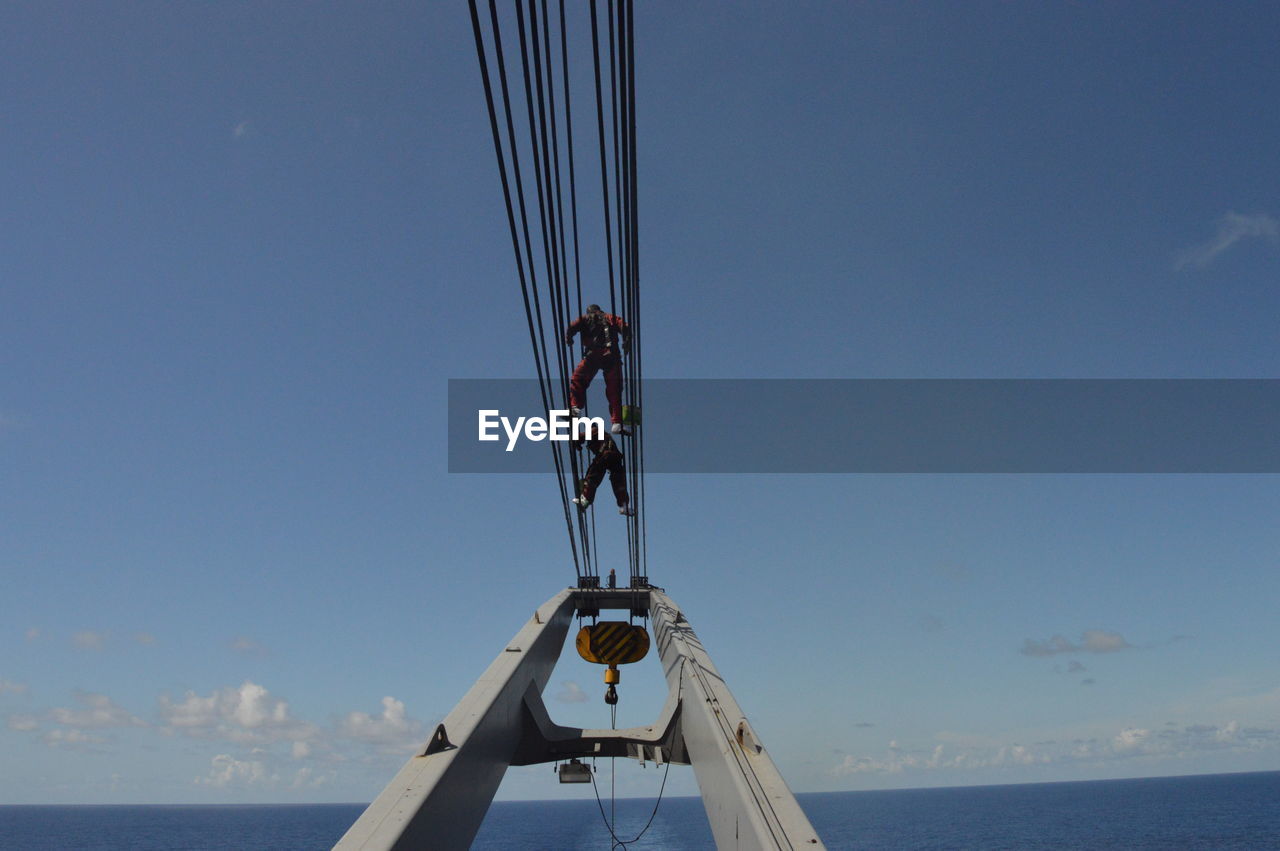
[
  {"x": 226, "y": 770},
  {"x": 1232, "y": 228},
  {"x": 96, "y": 712},
  {"x": 1127, "y": 743},
  {"x": 72, "y": 739},
  {"x": 390, "y": 732},
  {"x": 248, "y": 713},
  {"x": 257, "y": 734},
  {"x": 65, "y": 727}
]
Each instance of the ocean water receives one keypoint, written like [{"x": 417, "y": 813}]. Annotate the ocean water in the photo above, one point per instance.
[{"x": 1223, "y": 811}]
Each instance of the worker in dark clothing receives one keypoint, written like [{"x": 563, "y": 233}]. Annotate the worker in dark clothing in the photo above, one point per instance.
[
  {"x": 608, "y": 459},
  {"x": 601, "y": 333}
]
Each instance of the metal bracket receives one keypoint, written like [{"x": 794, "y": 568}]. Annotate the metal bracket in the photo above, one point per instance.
[{"x": 439, "y": 742}]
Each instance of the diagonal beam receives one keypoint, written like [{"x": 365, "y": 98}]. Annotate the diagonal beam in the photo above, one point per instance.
[
  {"x": 748, "y": 803},
  {"x": 440, "y": 797}
]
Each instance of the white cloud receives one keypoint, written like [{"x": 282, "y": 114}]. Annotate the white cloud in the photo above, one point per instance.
[
  {"x": 89, "y": 640},
  {"x": 1101, "y": 641},
  {"x": 392, "y": 731},
  {"x": 307, "y": 777},
  {"x": 246, "y": 714},
  {"x": 571, "y": 692},
  {"x": 1130, "y": 739},
  {"x": 73, "y": 739},
  {"x": 261, "y": 732},
  {"x": 250, "y": 715},
  {"x": 241, "y": 130},
  {"x": 248, "y": 646},
  {"x": 97, "y": 711},
  {"x": 32, "y": 634},
  {"x": 226, "y": 770},
  {"x": 23, "y": 723},
  {"x": 256, "y": 707},
  {"x": 1057, "y": 644},
  {"x": 965, "y": 751},
  {"x": 1228, "y": 733},
  {"x": 10, "y": 687},
  {"x": 1232, "y": 227},
  {"x": 144, "y": 638},
  {"x": 895, "y": 761},
  {"x": 1092, "y": 641}
]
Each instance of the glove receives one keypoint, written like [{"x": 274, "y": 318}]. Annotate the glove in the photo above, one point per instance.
[{"x": 626, "y": 347}]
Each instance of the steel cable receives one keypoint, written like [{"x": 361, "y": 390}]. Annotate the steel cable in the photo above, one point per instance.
[
  {"x": 546, "y": 242},
  {"x": 528, "y": 281}
]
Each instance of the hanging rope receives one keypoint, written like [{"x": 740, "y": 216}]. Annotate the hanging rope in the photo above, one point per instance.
[
  {"x": 611, "y": 823},
  {"x": 542, "y": 144},
  {"x": 526, "y": 273},
  {"x": 623, "y": 843},
  {"x": 622, "y": 75},
  {"x": 541, "y": 238},
  {"x": 604, "y": 161},
  {"x": 551, "y": 204},
  {"x": 546, "y": 133}
]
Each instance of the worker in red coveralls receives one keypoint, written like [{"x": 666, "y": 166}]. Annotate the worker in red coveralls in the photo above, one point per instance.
[
  {"x": 608, "y": 459},
  {"x": 600, "y": 336}
]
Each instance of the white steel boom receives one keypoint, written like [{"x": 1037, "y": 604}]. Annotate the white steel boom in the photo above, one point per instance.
[{"x": 439, "y": 798}]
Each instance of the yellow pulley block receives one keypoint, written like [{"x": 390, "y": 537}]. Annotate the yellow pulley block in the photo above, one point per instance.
[{"x": 613, "y": 642}]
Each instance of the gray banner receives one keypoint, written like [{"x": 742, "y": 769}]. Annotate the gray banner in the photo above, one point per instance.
[{"x": 907, "y": 425}]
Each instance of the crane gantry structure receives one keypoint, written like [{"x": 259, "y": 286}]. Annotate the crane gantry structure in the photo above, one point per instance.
[{"x": 440, "y": 796}]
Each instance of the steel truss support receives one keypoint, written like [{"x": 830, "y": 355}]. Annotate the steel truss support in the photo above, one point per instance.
[{"x": 439, "y": 798}]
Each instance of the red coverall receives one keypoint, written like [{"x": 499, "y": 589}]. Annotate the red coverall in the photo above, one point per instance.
[
  {"x": 600, "y": 332},
  {"x": 608, "y": 459}
]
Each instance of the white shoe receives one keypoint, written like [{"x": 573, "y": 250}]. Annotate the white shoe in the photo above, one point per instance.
[
  {"x": 618, "y": 429},
  {"x": 626, "y": 511},
  {"x": 582, "y": 502}
]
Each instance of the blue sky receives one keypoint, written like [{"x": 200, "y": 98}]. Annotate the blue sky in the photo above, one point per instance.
[{"x": 246, "y": 246}]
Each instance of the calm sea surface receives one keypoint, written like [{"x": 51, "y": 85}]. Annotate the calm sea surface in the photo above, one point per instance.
[{"x": 1207, "y": 812}]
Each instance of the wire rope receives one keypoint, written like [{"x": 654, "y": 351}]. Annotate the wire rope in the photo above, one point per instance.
[
  {"x": 527, "y": 282},
  {"x": 546, "y": 240}
]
